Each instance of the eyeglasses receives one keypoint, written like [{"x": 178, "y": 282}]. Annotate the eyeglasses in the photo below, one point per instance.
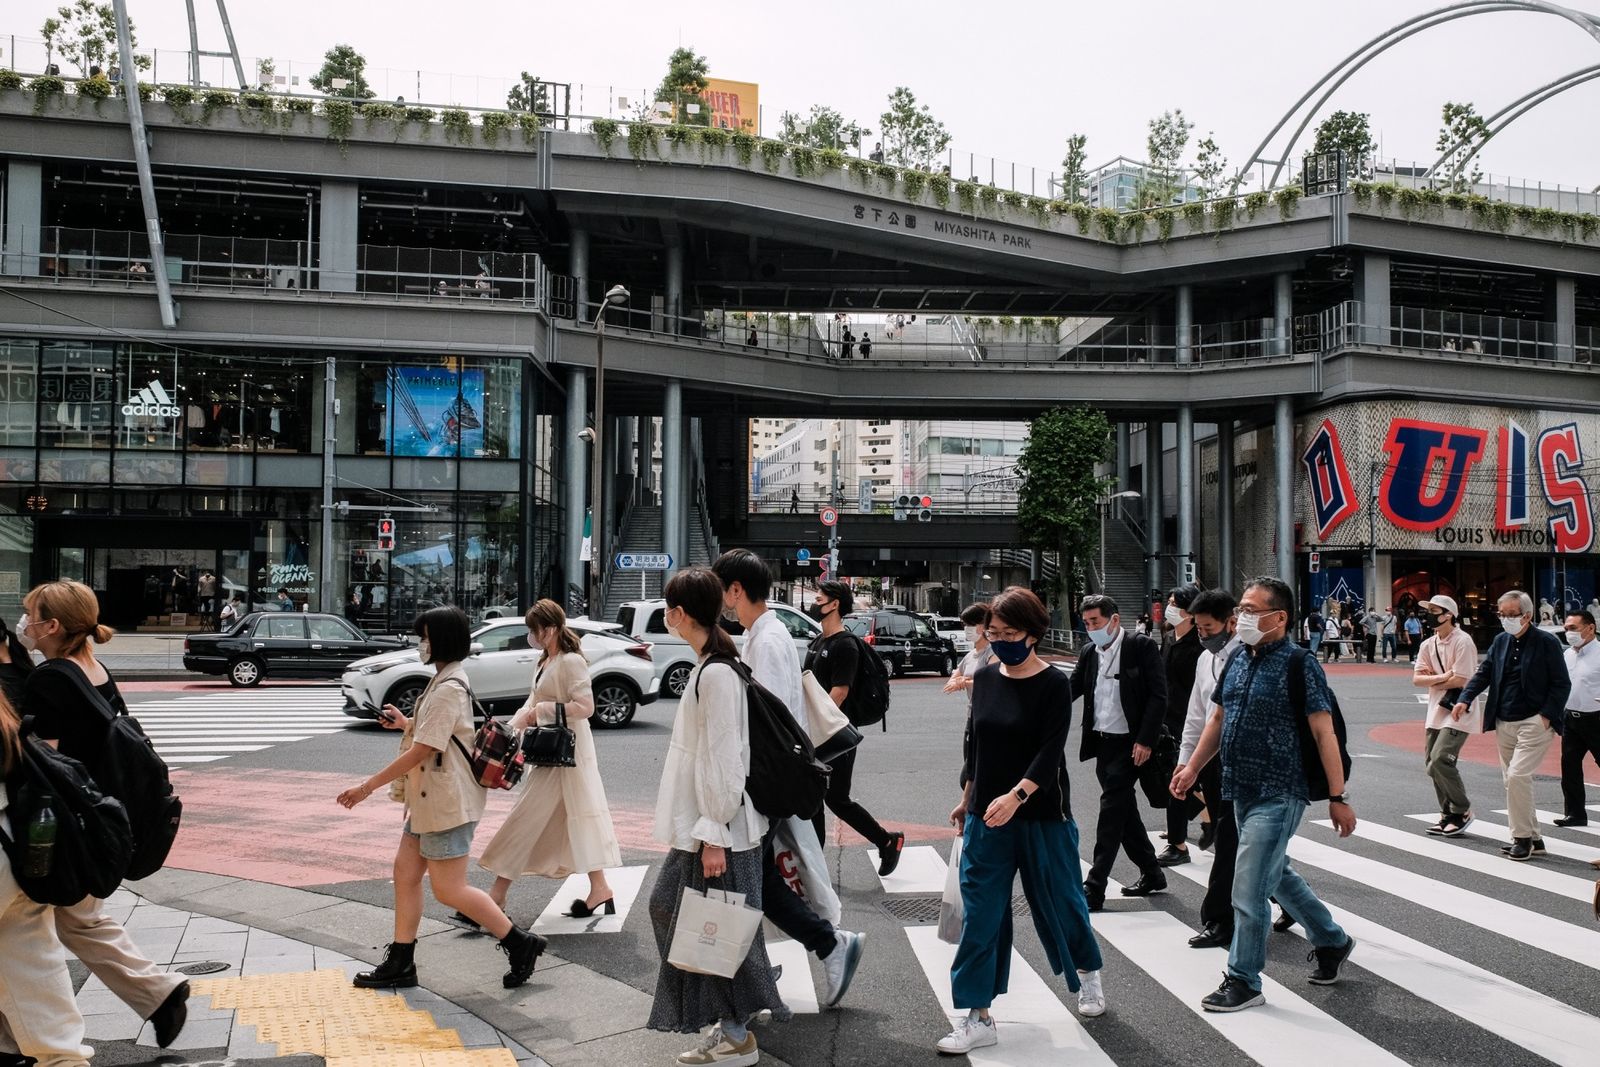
[{"x": 1004, "y": 635}]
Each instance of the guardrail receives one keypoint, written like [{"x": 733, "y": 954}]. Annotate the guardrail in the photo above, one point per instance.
[{"x": 1458, "y": 335}]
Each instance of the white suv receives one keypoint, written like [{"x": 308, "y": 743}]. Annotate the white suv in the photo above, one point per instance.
[
  {"x": 644, "y": 620},
  {"x": 501, "y": 668},
  {"x": 954, "y": 629}
]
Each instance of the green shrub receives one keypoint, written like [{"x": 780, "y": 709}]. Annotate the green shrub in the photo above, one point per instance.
[
  {"x": 772, "y": 153},
  {"x": 912, "y": 183},
  {"x": 679, "y": 135},
  {"x": 531, "y": 123},
  {"x": 10, "y": 79},
  {"x": 341, "y": 116},
  {"x": 95, "y": 88},
  {"x": 179, "y": 96},
  {"x": 256, "y": 101},
  {"x": 1194, "y": 213},
  {"x": 1039, "y": 208},
  {"x": 1013, "y": 199},
  {"x": 1082, "y": 214},
  {"x": 804, "y": 161},
  {"x": 1109, "y": 222},
  {"x": 1163, "y": 217},
  {"x": 457, "y": 125},
  {"x": 495, "y": 123},
  {"x": 1288, "y": 201},
  {"x": 967, "y": 196},
  {"x": 988, "y": 196},
  {"x": 1222, "y": 212},
  {"x": 215, "y": 100},
  {"x": 744, "y": 147},
  {"x": 376, "y": 111},
  {"x": 1133, "y": 224},
  {"x": 43, "y": 88},
  {"x": 831, "y": 159},
  {"x": 1254, "y": 202},
  {"x": 861, "y": 170},
  {"x": 605, "y": 131},
  {"x": 301, "y": 106},
  {"x": 715, "y": 137},
  {"x": 939, "y": 186},
  {"x": 887, "y": 174}
]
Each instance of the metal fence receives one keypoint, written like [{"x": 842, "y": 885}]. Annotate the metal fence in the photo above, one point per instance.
[{"x": 1457, "y": 334}]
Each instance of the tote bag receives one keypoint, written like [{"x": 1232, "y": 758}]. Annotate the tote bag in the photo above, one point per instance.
[
  {"x": 951, "y": 910},
  {"x": 831, "y": 732},
  {"x": 798, "y": 855},
  {"x": 713, "y": 932}
]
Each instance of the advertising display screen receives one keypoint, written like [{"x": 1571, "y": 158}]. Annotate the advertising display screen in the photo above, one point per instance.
[{"x": 436, "y": 411}]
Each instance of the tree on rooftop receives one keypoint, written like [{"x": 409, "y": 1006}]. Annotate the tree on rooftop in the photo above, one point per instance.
[
  {"x": 343, "y": 62},
  {"x": 821, "y": 127},
  {"x": 1074, "y": 169},
  {"x": 529, "y": 94},
  {"x": 683, "y": 85},
  {"x": 1165, "y": 143},
  {"x": 85, "y": 34},
  {"x": 1462, "y": 131},
  {"x": 1060, "y": 490},
  {"x": 1349, "y": 132},
  {"x": 1209, "y": 167},
  {"x": 912, "y": 137}
]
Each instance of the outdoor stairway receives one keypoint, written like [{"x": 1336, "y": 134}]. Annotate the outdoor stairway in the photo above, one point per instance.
[
  {"x": 641, "y": 534},
  {"x": 1124, "y": 578}
]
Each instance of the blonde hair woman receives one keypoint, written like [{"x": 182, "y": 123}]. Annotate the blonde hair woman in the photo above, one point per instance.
[
  {"x": 561, "y": 823},
  {"x": 60, "y": 620}
]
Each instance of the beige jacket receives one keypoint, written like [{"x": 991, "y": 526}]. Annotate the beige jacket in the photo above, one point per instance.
[{"x": 441, "y": 792}]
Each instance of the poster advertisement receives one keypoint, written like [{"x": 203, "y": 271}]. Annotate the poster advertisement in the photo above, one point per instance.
[
  {"x": 436, "y": 411},
  {"x": 734, "y": 105}
]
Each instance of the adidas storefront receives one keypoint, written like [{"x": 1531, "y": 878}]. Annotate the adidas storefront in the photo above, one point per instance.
[{"x": 171, "y": 479}]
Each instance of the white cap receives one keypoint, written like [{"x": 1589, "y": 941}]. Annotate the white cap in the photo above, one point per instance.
[{"x": 1444, "y": 604}]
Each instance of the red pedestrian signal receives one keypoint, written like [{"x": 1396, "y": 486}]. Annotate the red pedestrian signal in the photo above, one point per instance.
[{"x": 385, "y": 534}]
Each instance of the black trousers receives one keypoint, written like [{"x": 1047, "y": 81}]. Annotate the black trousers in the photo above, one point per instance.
[
  {"x": 1119, "y": 826},
  {"x": 840, "y": 803},
  {"x": 1217, "y": 907},
  {"x": 786, "y": 910},
  {"x": 1371, "y": 641},
  {"x": 1582, "y": 738}
]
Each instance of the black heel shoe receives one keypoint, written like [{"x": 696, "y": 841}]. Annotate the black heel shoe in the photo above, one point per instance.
[{"x": 581, "y": 909}]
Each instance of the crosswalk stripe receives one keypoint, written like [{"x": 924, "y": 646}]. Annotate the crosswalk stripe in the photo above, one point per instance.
[
  {"x": 1034, "y": 1026},
  {"x": 1549, "y": 818},
  {"x": 1495, "y": 866},
  {"x": 921, "y": 870},
  {"x": 210, "y": 727},
  {"x": 1542, "y": 1025},
  {"x": 625, "y": 883},
  {"x": 795, "y": 985},
  {"x": 181, "y": 748},
  {"x": 1501, "y": 833},
  {"x": 1531, "y": 928},
  {"x": 192, "y": 759},
  {"x": 289, "y": 734}
]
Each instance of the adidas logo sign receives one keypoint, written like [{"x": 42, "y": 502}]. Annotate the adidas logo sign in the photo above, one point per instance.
[{"x": 152, "y": 400}]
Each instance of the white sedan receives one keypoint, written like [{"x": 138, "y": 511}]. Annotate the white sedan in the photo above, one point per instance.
[{"x": 500, "y": 670}]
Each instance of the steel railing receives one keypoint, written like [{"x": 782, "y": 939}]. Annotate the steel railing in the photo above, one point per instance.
[{"x": 1462, "y": 335}]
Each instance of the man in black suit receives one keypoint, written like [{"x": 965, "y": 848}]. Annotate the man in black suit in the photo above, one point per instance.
[
  {"x": 1124, "y": 688},
  {"x": 1527, "y": 682}
]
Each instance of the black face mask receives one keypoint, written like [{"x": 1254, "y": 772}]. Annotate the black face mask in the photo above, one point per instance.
[{"x": 817, "y": 611}]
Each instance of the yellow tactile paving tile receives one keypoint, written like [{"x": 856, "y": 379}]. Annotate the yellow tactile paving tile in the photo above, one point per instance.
[{"x": 321, "y": 1013}]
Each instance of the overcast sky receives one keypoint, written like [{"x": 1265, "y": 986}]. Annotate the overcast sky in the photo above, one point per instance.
[{"x": 1010, "y": 80}]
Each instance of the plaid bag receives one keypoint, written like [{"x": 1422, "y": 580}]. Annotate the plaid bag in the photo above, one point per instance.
[{"x": 496, "y": 758}]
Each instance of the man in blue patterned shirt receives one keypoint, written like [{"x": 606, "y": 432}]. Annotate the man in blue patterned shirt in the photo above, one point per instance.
[{"x": 1253, "y": 723}]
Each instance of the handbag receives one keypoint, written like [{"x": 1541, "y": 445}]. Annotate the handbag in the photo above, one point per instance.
[
  {"x": 1155, "y": 777},
  {"x": 831, "y": 731},
  {"x": 495, "y": 759},
  {"x": 713, "y": 932},
  {"x": 951, "y": 910},
  {"x": 551, "y": 746}
]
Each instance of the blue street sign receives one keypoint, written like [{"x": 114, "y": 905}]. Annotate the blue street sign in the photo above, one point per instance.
[
  {"x": 803, "y": 556},
  {"x": 644, "y": 561}
]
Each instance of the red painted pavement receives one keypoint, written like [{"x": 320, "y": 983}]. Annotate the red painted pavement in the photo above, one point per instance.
[
  {"x": 285, "y": 827},
  {"x": 1480, "y": 748}
]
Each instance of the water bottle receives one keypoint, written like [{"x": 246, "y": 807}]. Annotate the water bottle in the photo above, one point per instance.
[{"x": 41, "y": 844}]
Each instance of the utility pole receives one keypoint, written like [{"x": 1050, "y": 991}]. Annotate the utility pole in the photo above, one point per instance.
[
  {"x": 833, "y": 531},
  {"x": 1372, "y": 532}
]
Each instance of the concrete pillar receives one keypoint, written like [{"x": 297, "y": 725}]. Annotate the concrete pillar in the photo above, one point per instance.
[
  {"x": 24, "y": 216},
  {"x": 1035, "y": 565},
  {"x": 577, "y": 474},
  {"x": 1282, "y": 312},
  {"x": 1153, "y": 506},
  {"x": 1186, "y": 498},
  {"x": 674, "y": 308},
  {"x": 1183, "y": 324},
  {"x": 580, "y": 274},
  {"x": 339, "y": 237},
  {"x": 627, "y": 456},
  {"x": 608, "y": 473},
  {"x": 1283, "y": 486},
  {"x": 1372, "y": 292},
  {"x": 647, "y": 458},
  {"x": 691, "y": 433},
  {"x": 1225, "y": 577},
  {"x": 1124, "y": 459},
  {"x": 1561, "y": 308},
  {"x": 674, "y": 495}
]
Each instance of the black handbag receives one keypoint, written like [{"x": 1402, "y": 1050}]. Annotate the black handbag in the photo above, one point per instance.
[
  {"x": 551, "y": 746},
  {"x": 1155, "y": 776}
]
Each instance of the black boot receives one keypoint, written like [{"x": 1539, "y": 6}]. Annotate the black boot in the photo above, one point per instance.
[
  {"x": 397, "y": 971},
  {"x": 523, "y": 947},
  {"x": 167, "y": 1021}
]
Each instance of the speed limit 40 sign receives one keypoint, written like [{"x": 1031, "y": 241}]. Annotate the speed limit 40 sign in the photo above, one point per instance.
[{"x": 829, "y": 516}]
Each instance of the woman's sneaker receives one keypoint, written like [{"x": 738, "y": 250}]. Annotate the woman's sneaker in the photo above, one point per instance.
[
  {"x": 970, "y": 1033},
  {"x": 1091, "y": 995},
  {"x": 1455, "y": 825},
  {"x": 715, "y": 1048}
]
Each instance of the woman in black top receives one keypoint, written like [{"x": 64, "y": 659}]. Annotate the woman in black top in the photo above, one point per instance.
[
  {"x": 59, "y": 621},
  {"x": 1015, "y": 815},
  {"x": 15, "y": 665}
]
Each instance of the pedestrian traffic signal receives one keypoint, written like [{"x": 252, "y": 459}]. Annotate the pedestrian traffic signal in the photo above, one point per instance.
[
  {"x": 904, "y": 505},
  {"x": 386, "y": 534},
  {"x": 1316, "y": 562},
  {"x": 925, "y": 509},
  {"x": 1188, "y": 572}
]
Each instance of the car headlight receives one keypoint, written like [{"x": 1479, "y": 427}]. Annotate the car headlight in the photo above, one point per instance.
[{"x": 370, "y": 668}]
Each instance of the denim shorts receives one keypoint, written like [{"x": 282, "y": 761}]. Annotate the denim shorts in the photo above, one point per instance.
[{"x": 450, "y": 844}]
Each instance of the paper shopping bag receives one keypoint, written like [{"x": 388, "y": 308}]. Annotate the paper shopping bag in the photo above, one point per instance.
[
  {"x": 798, "y": 855},
  {"x": 713, "y": 933},
  {"x": 951, "y": 911}
]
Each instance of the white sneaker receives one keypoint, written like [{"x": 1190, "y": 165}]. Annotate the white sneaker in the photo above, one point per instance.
[
  {"x": 970, "y": 1033},
  {"x": 715, "y": 1048},
  {"x": 839, "y": 966},
  {"x": 1091, "y": 995}
]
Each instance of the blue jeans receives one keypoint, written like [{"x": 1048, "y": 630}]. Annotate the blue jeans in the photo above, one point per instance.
[
  {"x": 1316, "y": 643},
  {"x": 1388, "y": 646},
  {"x": 1262, "y": 871}
]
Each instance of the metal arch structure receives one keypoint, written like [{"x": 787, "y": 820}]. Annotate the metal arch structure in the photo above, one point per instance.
[
  {"x": 1350, "y": 64},
  {"x": 1513, "y": 111}
]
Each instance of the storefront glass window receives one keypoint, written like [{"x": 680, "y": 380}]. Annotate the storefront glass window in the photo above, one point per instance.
[
  {"x": 283, "y": 412},
  {"x": 77, "y": 395},
  {"x": 151, "y": 412},
  {"x": 19, "y": 392},
  {"x": 499, "y": 408}
]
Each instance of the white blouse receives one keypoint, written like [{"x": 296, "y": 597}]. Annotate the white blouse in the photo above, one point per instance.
[{"x": 702, "y": 797}]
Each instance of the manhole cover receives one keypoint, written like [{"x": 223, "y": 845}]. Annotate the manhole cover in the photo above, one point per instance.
[
  {"x": 925, "y": 909},
  {"x": 208, "y": 967}
]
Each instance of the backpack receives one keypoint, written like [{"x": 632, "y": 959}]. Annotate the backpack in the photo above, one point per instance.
[
  {"x": 785, "y": 777},
  {"x": 129, "y": 769},
  {"x": 1310, "y": 755},
  {"x": 93, "y": 844},
  {"x": 868, "y": 701}
]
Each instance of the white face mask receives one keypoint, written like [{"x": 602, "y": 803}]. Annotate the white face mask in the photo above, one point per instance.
[
  {"x": 1513, "y": 626},
  {"x": 1174, "y": 616},
  {"x": 972, "y": 633},
  {"x": 1575, "y": 638},
  {"x": 22, "y": 634},
  {"x": 1102, "y": 638},
  {"x": 424, "y": 650},
  {"x": 1247, "y": 628}
]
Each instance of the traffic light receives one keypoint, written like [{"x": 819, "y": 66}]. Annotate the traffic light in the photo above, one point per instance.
[
  {"x": 386, "y": 534},
  {"x": 1316, "y": 562},
  {"x": 904, "y": 504},
  {"x": 925, "y": 509},
  {"x": 1188, "y": 572}
]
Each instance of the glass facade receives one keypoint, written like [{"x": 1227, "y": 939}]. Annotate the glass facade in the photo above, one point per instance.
[{"x": 171, "y": 479}]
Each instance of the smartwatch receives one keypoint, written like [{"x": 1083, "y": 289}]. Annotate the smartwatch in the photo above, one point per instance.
[{"x": 1021, "y": 794}]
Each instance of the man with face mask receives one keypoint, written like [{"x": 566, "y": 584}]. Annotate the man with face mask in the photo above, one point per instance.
[
  {"x": 1582, "y": 735},
  {"x": 1528, "y": 686},
  {"x": 1445, "y": 662},
  {"x": 1124, "y": 689}
]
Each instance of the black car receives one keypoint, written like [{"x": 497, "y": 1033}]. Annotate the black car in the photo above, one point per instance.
[
  {"x": 904, "y": 641},
  {"x": 284, "y": 644}
]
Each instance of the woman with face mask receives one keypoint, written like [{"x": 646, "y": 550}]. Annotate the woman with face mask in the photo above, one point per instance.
[
  {"x": 15, "y": 665},
  {"x": 443, "y": 803},
  {"x": 1015, "y": 815},
  {"x": 60, "y": 620},
  {"x": 976, "y": 621},
  {"x": 561, "y": 822}
]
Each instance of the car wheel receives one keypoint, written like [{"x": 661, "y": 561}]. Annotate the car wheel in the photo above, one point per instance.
[
  {"x": 614, "y": 703},
  {"x": 245, "y": 671},
  {"x": 405, "y": 695},
  {"x": 897, "y": 667},
  {"x": 946, "y": 665},
  {"x": 677, "y": 677}
]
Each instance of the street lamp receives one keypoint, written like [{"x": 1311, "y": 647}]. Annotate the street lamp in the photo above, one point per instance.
[
  {"x": 1105, "y": 505},
  {"x": 615, "y": 295}
]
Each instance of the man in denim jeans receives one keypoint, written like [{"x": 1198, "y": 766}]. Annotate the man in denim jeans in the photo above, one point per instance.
[{"x": 1252, "y": 722}]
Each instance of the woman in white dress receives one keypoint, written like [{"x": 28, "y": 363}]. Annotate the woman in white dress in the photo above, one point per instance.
[{"x": 561, "y": 823}]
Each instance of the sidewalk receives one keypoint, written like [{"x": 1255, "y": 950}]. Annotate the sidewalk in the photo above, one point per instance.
[{"x": 286, "y": 989}]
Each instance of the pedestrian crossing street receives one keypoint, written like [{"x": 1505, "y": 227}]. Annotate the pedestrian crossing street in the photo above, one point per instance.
[
  {"x": 1544, "y": 908},
  {"x": 204, "y": 728}
]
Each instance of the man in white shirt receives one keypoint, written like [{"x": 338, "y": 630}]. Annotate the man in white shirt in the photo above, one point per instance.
[
  {"x": 769, "y": 651},
  {"x": 1582, "y": 737}
]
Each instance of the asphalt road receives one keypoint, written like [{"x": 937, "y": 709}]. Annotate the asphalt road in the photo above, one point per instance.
[{"x": 1477, "y": 1004}]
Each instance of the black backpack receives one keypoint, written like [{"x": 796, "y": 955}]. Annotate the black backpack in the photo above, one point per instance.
[
  {"x": 868, "y": 701},
  {"x": 785, "y": 777},
  {"x": 93, "y": 843},
  {"x": 129, "y": 769},
  {"x": 1310, "y": 755}
]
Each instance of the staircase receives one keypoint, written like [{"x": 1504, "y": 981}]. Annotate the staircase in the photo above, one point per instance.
[
  {"x": 641, "y": 534},
  {"x": 1124, "y": 580}
]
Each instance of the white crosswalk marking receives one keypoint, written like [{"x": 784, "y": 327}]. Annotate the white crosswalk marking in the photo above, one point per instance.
[
  {"x": 624, "y": 882},
  {"x": 206, "y": 727},
  {"x": 1500, "y": 832},
  {"x": 1549, "y": 819},
  {"x": 795, "y": 984},
  {"x": 921, "y": 870}
]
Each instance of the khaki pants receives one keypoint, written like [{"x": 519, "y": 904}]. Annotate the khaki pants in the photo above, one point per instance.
[
  {"x": 105, "y": 948},
  {"x": 1441, "y": 753},
  {"x": 1522, "y": 748},
  {"x": 38, "y": 1015}
]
